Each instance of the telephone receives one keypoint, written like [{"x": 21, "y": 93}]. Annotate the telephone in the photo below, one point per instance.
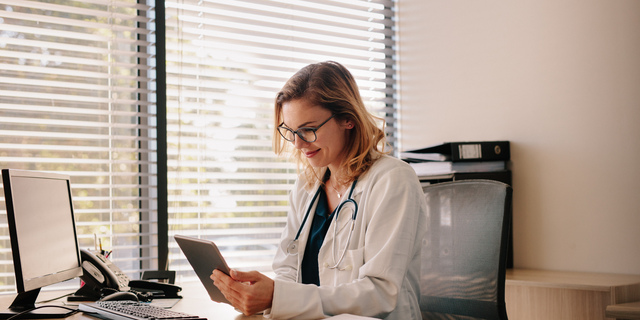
[{"x": 101, "y": 277}]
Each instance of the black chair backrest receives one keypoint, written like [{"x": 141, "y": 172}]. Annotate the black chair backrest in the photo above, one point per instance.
[{"x": 465, "y": 250}]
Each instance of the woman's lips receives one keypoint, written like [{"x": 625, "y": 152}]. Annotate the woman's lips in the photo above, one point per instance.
[{"x": 311, "y": 153}]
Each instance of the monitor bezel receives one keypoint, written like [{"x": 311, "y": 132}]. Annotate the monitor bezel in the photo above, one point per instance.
[{"x": 27, "y": 285}]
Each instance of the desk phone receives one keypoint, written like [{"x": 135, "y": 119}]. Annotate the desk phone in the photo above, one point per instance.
[{"x": 102, "y": 277}]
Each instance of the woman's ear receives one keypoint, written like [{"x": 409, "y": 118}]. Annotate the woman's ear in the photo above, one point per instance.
[{"x": 348, "y": 124}]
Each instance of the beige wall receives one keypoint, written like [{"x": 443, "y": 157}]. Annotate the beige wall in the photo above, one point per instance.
[{"x": 561, "y": 81}]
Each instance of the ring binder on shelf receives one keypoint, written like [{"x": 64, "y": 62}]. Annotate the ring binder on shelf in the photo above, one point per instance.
[{"x": 461, "y": 151}]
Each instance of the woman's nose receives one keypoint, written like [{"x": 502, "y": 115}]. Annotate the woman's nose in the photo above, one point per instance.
[{"x": 298, "y": 142}]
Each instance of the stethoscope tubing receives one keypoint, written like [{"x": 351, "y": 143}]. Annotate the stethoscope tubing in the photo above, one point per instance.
[
  {"x": 315, "y": 197},
  {"x": 292, "y": 248}
]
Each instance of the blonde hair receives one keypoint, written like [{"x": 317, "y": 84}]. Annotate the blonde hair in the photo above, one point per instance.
[{"x": 331, "y": 85}]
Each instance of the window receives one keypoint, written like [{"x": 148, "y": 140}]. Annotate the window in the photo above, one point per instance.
[
  {"x": 77, "y": 97},
  {"x": 226, "y": 60}
]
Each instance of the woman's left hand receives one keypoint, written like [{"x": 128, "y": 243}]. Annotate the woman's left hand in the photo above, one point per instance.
[{"x": 250, "y": 292}]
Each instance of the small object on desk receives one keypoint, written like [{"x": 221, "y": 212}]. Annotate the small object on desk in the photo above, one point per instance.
[
  {"x": 121, "y": 296},
  {"x": 162, "y": 276},
  {"x": 157, "y": 289},
  {"x": 131, "y": 310}
]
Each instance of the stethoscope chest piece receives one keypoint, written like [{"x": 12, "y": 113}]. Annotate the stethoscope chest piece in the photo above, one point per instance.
[{"x": 292, "y": 248}]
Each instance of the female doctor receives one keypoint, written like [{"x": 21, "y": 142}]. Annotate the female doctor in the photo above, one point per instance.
[{"x": 355, "y": 226}]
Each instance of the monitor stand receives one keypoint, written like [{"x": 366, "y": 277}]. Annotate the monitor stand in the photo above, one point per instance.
[{"x": 26, "y": 301}]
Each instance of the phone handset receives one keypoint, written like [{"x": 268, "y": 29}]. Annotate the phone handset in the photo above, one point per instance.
[
  {"x": 113, "y": 277},
  {"x": 99, "y": 273}
]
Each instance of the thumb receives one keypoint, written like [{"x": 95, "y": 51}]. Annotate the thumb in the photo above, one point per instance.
[{"x": 241, "y": 276}]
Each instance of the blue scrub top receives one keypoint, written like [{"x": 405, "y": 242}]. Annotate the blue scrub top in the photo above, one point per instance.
[{"x": 319, "y": 227}]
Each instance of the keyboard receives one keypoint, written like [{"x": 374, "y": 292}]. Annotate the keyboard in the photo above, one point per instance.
[{"x": 132, "y": 310}]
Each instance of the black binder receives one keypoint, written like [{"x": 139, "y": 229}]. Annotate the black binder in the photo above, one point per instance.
[{"x": 461, "y": 151}]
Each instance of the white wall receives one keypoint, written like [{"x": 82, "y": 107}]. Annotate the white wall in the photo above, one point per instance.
[{"x": 560, "y": 79}]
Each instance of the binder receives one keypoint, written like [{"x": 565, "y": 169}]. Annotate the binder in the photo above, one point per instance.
[{"x": 461, "y": 151}]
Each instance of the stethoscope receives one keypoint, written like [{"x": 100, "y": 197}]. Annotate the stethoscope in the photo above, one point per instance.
[{"x": 292, "y": 248}]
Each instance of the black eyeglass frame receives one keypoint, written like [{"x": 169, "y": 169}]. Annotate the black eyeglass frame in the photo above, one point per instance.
[{"x": 297, "y": 132}]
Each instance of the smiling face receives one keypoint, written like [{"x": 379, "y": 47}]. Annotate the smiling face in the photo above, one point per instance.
[{"x": 328, "y": 149}]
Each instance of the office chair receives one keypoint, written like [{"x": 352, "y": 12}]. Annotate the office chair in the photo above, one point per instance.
[{"x": 464, "y": 252}]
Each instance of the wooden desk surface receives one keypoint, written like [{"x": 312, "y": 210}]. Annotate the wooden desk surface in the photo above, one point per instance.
[{"x": 196, "y": 302}]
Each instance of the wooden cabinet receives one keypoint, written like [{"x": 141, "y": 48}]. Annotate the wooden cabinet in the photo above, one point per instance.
[
  {"x": 559, "y": 295},
  {"x": 628, "y": 310}
]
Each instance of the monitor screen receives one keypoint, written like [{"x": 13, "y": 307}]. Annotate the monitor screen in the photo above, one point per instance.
[{"x": 42, "y": 231}]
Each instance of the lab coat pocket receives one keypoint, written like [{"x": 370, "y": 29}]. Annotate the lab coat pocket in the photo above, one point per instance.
[{"x": 349, "y": 267}]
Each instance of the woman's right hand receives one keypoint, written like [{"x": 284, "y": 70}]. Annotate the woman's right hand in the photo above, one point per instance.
[{"x": 250, "y": 292}]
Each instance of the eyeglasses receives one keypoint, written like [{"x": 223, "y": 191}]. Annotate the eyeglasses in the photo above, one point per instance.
[{"x": 305, "y": 133}]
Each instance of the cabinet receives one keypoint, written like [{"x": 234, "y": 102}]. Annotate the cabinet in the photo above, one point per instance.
[{"x": 561, "y": 295}]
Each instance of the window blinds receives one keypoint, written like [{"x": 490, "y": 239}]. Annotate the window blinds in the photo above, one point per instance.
[
  {"x": 226, "y": 60},
  {"x": 76, "y": 97}
]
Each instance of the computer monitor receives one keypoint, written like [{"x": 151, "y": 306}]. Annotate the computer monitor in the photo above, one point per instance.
[{"x": 42, "y": 229}]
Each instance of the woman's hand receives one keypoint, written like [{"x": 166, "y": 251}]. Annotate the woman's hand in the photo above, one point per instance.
[{"x": 250, "y": 292}]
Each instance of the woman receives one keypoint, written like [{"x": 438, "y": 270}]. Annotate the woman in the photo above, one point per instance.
[{"x": 362, "y": 258}]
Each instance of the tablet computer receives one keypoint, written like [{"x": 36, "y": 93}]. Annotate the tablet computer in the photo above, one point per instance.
[{"x": 204, "y": 257}]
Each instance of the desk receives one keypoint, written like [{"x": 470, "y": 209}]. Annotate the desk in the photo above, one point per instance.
[
  {"x": 550, "y": 295},
  {"x": 195, "y": 302}
]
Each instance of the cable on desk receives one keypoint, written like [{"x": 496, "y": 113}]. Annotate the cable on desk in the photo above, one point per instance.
[
  {"x": 54, "y": 299},
  {"x": 20, "y": 314}
]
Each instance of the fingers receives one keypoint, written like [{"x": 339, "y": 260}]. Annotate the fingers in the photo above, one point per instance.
[
  {"x": 232, "y": 291},
  {"x": 224, "y": 283},
  {"x": 249, "y": 292}
]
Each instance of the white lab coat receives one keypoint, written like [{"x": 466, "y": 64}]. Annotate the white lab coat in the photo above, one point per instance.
[{"x": 379, "y": 276}]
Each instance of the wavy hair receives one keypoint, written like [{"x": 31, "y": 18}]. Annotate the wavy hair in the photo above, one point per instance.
[{"x": 331, "y": 85}]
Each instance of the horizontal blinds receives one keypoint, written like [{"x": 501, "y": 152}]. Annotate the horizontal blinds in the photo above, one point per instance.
[
  {"x": 76, "y": 97},
  {"x": 226, "y": 60}
]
